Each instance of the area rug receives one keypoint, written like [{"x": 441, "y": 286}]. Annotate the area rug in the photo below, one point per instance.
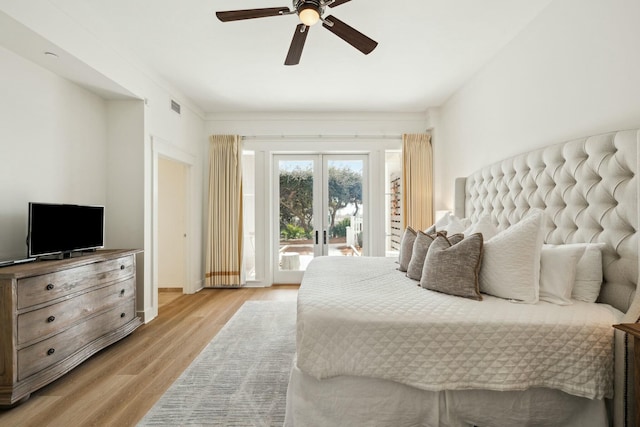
[{"x": 240, "y": 378}]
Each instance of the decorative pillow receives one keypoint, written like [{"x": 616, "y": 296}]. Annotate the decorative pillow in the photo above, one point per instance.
[
  {"x": 588, "y": 280},
  {"x": 511, "y": 261},
  {"x": 558, "y": 272},
  {"x": 420, "y": 249},
  {"x": 449, "y": 223},
  {"x": 439, "y": 225},
  {"x": 483, "y": 226},
  {"x": 455, "y": 225},
  {"x": 406, "y": 248},
  {"x": 588, "y": 271},
  {"x": 455, "y": 239},
  {"x": 453, "y": 269}
]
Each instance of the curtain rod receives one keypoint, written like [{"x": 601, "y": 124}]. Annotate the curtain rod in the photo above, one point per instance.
[{"x": 327, "y": 137}]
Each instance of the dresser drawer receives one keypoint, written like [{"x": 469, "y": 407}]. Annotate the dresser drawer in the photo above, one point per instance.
[
  {"x": 57, "y": 317},
  {"x": 48, "y": 287},
  {"x": 41, "y": 355}
]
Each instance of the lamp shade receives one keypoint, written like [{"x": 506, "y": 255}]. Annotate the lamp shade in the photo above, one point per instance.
[{"x": 309, "y": 15}]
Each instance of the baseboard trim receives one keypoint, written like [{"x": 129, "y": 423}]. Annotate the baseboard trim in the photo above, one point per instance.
[{"x": 147, "y": 315}]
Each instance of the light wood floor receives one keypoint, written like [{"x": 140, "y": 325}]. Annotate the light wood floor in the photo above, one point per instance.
[{"x": 117, "y": 386}]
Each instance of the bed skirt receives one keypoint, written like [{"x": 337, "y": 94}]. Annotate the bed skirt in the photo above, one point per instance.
[{"x": 360, "y": 401}]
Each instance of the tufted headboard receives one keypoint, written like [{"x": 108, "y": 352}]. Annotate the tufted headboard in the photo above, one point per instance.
[{"x": 588, "y": 189}]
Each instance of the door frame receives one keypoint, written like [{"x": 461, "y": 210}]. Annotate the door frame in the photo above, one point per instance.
[{"x": 161, "y": 148}]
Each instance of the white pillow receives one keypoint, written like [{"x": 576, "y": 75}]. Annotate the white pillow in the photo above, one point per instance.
[
  {"x": 511, "y": 261},
  {"x": 440, "y": 224},
  {"x": 466, "y": 222},
  {"x": 483, "y": 226},
  {"x": 455, "y": 226},
  {"x": 558, "y": 272},
  {"x": 589, "y": 273}
]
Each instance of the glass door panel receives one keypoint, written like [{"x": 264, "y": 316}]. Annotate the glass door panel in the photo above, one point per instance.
[
  {"x": 296, "y": 214},
  {"x": 344, "y": 204}
]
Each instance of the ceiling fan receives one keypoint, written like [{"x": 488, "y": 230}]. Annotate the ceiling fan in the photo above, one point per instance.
[{"x": 309, "y": 12}]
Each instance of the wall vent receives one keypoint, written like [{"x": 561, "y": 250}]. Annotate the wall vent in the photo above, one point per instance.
[{"x": 175, "y": 106}]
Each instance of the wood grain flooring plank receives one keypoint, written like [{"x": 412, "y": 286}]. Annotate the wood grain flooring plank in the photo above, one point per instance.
[{"x": 117, "y": 386}]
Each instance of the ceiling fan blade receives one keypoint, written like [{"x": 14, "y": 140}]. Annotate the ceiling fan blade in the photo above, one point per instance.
[
  {"x": 338, "y": 3},
  {"x": 297, "y": 44},
  {"x": 349, "y": 34},
  {"x": 238, "y": 15}
]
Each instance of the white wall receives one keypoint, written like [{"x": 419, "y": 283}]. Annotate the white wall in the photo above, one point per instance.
[
  {"x": 125, "y": 170},
  {"x": 125, "y": 207},
  {"x": 315, "y": 124},
  {"x": 189, "y": 137},
  {"x": 53, "y": 146},
  {"x": 573, "y": 72}
]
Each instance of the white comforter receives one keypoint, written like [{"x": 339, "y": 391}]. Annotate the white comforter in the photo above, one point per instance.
[{"x": 362, "y": 317}]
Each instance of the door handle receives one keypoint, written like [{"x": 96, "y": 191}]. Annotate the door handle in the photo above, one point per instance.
[
  {"x": 324, "y": 234},
  {"x": 317, "y": 236}
]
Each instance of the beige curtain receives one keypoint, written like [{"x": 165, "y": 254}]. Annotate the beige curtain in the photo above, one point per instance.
[
  {"x": 224, "y": 237},
  {"x": 417, "y": 181}
]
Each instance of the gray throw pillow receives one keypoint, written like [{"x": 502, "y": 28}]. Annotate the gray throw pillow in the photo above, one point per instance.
[
  {"x": 420, "y": 249},
  {"x": 453, "y": 239},
  {"x": 406, "y": 248},
  {"x": 453, "y": 269}
]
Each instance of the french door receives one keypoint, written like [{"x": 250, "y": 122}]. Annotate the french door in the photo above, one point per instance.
[{"x": 320, "y": 209}]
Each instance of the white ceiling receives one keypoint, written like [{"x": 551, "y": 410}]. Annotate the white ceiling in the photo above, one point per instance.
[{"x": 427, "y": 50}]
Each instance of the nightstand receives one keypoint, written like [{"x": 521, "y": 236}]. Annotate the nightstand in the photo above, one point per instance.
[{"x": 633, "y": 329}]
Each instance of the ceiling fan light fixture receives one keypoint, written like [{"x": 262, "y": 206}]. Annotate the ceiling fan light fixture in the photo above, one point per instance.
[{"x": 309, "y": 14}]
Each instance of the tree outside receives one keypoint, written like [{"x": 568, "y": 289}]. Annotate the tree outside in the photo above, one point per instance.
[
  {"x": 296, "y": 200},
  {"x": 345, "y": 188}
]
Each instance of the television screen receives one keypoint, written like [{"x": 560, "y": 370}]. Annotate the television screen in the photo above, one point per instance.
[{"x": 58, "y": 228}]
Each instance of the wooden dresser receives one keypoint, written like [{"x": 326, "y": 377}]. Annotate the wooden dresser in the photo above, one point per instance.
[{"x": 56, "y": 314}]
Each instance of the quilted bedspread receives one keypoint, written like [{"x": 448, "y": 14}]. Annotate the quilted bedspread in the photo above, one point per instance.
[{"x": 362, "y": 317}]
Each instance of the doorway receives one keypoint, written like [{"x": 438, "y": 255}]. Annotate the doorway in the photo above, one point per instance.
[
  {"x": 320, "y": 209},
  {"x": 172, "y": 224}
]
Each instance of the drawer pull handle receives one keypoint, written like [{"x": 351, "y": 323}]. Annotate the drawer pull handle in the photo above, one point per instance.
[
  {"x": 51, "y": 351},
  {"x": 122, "y": 293},
  {"x": 122, "y": 315},
  {"x": 122, "y": 267},
  {"x": 51, "y": 319},
  {"x": 50, "y": 286}
]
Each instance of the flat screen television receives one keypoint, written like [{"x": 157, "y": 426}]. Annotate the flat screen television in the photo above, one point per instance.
[{"x": 61, "y": 229}]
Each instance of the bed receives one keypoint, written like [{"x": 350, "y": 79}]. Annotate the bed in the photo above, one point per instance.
[{"x": 375, "y": 349}]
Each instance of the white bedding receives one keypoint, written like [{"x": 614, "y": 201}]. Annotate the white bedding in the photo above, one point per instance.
[
  {"x": 360, "y": 401},
  {"x": 362, "y": 317}
]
